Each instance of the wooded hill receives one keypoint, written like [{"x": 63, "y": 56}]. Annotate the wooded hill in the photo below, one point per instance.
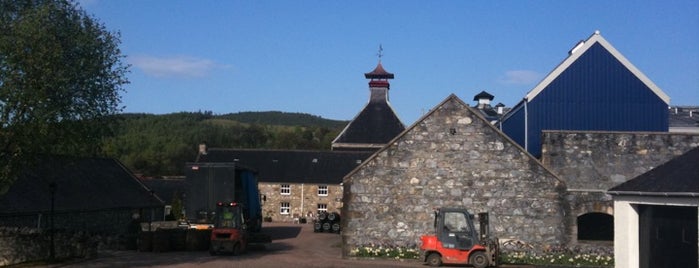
[{"x": 159, "y": 145}]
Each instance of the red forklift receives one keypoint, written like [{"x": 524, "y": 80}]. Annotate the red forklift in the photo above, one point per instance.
[
  {"x": 456, "y": 241},
  {"x": 230, "y": 234}
]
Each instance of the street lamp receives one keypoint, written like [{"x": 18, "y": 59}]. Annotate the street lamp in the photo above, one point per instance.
[{"x": 52, "y": 249}]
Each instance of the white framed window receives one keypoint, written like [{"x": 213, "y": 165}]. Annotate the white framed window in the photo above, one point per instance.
[
  {"x": 322, "y": 208},
  {"x": 284, "y": 208},
  {"x": 322, "y": 190},
  {"x": 286, "y": 189}
]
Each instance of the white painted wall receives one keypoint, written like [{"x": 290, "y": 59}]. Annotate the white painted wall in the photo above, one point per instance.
[
  {"x": 626, "y": 239},
  {"x": 626, "y": 247},
  {"x": 684, "y": 129}
]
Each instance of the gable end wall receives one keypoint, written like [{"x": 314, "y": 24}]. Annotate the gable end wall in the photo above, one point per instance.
[
  {"x": 389, "y": 200},
  {"x": 596, "y": 92}
]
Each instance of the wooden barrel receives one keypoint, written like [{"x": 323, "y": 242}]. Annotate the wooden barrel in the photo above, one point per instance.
[
  {"x": 178, "y": 239},
  {"x": 334, "y": 217},
  {"x": 197, "y": 240},
  {"x": 161, "y": 240},
  {"x": 336, "y": 227}
]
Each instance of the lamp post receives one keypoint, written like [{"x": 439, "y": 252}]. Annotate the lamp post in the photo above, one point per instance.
[{"x": 52, "y": 249}]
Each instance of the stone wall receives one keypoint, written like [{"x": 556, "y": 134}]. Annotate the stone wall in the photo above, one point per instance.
[
  {"x": 602, "y": 160},
  {"x": 114, "y": 221},
  {"x": 299, "y": 191},
  {"x": 18, "y": 245},
  {"x": 451, "y": 158},
  {"x": 591, "y": 162}
]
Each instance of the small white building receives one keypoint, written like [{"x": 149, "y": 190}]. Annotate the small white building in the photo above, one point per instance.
[{"x": 656, "y": 215}]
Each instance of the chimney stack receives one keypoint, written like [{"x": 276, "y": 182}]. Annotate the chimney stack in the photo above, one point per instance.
[{"x": 202, "y": 148}]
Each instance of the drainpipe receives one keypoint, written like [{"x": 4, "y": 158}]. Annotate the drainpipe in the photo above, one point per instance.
[
  {"x": 302, "y": 198},
  {"x": 526, "y": 126}
]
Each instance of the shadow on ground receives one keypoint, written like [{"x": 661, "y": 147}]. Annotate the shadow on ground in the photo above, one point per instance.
[{"x": 282, "y": 232}]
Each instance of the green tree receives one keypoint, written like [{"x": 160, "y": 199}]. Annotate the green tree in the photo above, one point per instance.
[
  {"x": 177, "y": 205},
  {"x": 61, "y": 73}
]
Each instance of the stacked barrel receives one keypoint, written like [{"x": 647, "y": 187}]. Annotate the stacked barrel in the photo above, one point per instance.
[{"x": 327, "y": 222}]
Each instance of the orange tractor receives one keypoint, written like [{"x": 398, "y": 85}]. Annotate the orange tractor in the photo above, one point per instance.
[{"x": 456, "y": 241}]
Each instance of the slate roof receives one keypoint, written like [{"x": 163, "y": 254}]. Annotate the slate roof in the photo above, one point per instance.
[
  {"x": 82, "y": 184},
  {"x": 291, "y": 166},
  {"x": 488, "y": 111},
  {"x": 166, "y": 188},
  {"x": 677, "y": 177},
  {"x": 376, "y": 124},
  {"x": 379, "y": 73},
  {"x": 483, "y": 95}
]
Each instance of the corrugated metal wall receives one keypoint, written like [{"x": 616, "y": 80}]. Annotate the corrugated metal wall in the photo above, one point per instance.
[
  {"x": 513, "y": 125},
  {"x": 596, "y": 92}
]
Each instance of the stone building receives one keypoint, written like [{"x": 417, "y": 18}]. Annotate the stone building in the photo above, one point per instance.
[
  {"x": 451, "y": 157},
  {"x": 596, "y": 120},
  {"x": 304, "y": 183},
  {"x": 590, "y": 162},
  {"x": 301, "y": 183},
  {"x": 293, "y": 183},
  {"x": 454, "y": 157}
]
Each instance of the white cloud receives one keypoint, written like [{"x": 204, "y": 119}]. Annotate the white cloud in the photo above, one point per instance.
[
  {"x": 520, "y": 77},
  {"x": 179, "y": 66}
]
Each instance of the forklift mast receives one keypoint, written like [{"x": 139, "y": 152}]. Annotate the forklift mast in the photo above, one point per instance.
[{"x": 484, "y": 225}]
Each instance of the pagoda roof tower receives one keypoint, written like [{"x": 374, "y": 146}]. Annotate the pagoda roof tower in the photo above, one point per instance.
[{"x": 377, "y": 123}]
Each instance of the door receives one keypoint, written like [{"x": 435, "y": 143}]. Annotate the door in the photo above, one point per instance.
[{"x": 668, "y": 236}]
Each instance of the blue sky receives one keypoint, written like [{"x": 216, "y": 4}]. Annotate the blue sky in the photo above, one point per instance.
[{"x": 311, "y": 56}]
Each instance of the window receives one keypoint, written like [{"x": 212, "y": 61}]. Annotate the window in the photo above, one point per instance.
[
  {"x": 322, "y": 208},
  {"x": 286, "y": 189},
  {"x": 456, "y": 222},
  {"x": 322, "y": 190},
  {"x": 284, "y": 208},
  {"x": 596, "y": 226}
]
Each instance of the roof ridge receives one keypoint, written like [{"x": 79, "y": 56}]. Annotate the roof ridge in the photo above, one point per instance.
[{"x": 578, "y": 51}]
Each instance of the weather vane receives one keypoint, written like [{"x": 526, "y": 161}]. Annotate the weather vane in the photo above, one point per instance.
[{"x": 380, "y": 54}]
